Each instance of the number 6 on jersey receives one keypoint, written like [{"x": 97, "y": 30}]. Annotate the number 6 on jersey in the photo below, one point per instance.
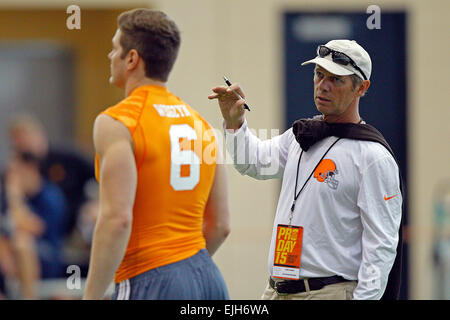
[{"x": 183, "y": 157}]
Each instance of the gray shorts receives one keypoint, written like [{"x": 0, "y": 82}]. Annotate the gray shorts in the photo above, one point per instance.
[{"x": 195, "y": 278}]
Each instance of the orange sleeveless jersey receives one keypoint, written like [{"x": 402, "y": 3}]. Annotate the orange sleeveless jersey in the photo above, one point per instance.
[{"x": 175, "y": 154}]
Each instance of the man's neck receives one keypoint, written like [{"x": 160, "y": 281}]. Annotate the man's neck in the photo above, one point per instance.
[
  {"x": 350, "y": 115},
  {"x": 341, "y": 119},
  {"x": 134, "y": 83}
]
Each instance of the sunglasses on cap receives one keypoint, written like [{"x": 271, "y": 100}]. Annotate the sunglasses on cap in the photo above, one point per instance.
[{"x": 338, "y": 57}]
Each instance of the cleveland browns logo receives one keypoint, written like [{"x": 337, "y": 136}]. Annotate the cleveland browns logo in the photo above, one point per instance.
[{"x": 326, "y": 172}]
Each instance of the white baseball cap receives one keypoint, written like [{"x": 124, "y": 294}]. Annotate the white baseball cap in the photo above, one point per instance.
[{"x": 351, "y": 49}]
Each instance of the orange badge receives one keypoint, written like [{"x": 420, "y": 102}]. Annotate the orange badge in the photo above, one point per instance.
[{"x": 288, "y": 249}]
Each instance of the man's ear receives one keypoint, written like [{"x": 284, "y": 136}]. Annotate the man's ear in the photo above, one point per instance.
[
  {"x": 132, "y": 59},
  {"x": 363, "y": 87}
]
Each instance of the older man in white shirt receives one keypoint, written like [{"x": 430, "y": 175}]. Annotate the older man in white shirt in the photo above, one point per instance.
[{"x": 336, "y": 229}]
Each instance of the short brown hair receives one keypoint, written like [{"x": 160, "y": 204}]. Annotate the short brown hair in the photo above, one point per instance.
[
  {"x": 154, "y": 36},
  {"x": 357, "y": 80}
]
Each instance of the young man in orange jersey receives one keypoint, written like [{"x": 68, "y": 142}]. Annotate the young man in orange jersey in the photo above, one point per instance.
[{"x": 163, "y": 192}]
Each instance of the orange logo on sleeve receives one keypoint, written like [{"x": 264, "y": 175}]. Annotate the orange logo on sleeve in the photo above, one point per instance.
[{"x": 387, "y": 198}]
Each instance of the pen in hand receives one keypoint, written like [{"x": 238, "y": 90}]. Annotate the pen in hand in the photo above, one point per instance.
[{"x": 237, "y": 94}]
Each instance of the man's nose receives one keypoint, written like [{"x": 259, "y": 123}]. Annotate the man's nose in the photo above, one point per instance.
[{"x": 324, "y": 84}]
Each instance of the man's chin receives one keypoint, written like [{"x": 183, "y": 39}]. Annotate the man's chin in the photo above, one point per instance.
[
  {"x": 322, "y": 109},
  {"x": 114, "y": 82}
]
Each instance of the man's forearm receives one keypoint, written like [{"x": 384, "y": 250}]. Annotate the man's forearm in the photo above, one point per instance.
[
  {"x": 256, "y": 158},
  {"x": 214, "y": 238},
  {"x": 110, "y": 241}
]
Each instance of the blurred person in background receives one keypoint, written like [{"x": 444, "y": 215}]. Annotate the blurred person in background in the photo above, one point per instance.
[
  {"x": 66, "y": 167},
  {"x": 5, "y": 257},
  {"x": 33, "y": 221},
  {"x": 80, "y": 241},
  {"x": 163, "y": 206}
]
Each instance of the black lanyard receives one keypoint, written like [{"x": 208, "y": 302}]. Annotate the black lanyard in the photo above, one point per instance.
[{"x": 296, "y": 195}]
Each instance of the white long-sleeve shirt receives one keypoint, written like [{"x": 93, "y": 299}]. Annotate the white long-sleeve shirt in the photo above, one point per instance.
[{"x": 350, "y": 213}]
